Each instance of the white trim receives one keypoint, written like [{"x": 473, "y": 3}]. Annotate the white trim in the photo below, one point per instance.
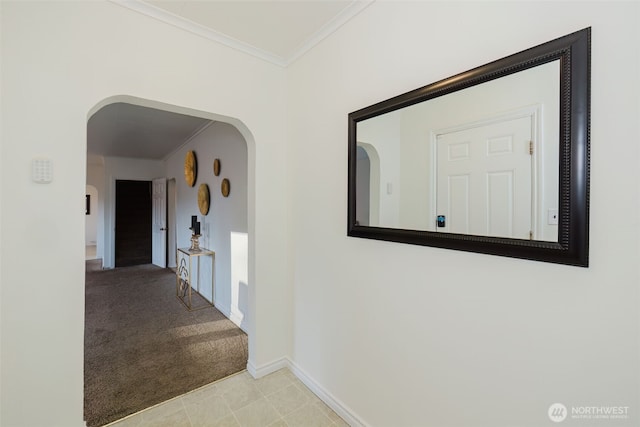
[
  {"x": 234, "y": 316},
  {"x": 189, "y": 139},
  {"x": 354, "y": 8},
  {"x": 239, "y": 320},
  {"x": 200, "y": 30},
  {"x": 222, "y": 309},
  {"x": 269, "y": 368},
  {"x": 251, "y": 368},
  {"x": 330, "y": 400},
  {"x": 515, "y": 113}
]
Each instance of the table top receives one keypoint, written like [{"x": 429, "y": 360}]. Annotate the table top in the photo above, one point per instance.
[{"x": 202, "y": 251}]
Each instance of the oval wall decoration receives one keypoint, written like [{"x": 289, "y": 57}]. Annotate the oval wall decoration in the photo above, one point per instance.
[
  {"x": 225, "y": 187},
  {"x": 203, "y": 199},
  {"x": 216, "y": 167},
  {"x": 190, "y": 168}
]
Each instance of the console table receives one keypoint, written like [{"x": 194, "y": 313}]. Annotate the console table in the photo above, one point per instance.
[{"x": 185, "y": 276}]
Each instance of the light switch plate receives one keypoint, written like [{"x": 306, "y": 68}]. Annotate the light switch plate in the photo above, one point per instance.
[{"x": 42, "y": 170}]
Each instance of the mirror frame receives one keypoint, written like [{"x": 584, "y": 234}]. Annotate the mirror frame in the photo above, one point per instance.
[{"x": 572, "y": 247}]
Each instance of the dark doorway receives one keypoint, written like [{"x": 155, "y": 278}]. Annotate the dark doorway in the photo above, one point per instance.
[{"x": 133, "y": 223}]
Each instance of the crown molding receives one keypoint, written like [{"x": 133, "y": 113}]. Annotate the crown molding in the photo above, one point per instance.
[
  {"x": 349, "y": 12},
  {"x": 185, "y": 24},
  {"x": 191, "y": 137},
  {"x": 200, "y": 30}
]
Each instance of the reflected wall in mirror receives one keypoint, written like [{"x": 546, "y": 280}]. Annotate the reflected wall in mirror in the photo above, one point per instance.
[{"x": 492, "y": 160}]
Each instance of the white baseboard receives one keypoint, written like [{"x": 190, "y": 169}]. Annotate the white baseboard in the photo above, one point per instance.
[
  {"x": 223, "y": 309},
  {"x": 268, "y": 368},
  {"x": 236, "y": 318},
  {"x": 330, "y": 400}
]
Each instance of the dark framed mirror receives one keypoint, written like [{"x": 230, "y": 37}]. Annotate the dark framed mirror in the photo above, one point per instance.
[{"x": 493, "y": 160}]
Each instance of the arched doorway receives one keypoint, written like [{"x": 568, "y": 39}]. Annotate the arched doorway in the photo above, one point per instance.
[
  {"x": 368, "y": 184},
  {"x": 239, "y": 236},
  {"x": 226, "y": 229}
]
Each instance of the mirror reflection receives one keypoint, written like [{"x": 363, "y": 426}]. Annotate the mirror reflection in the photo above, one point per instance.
[{"x": 480, "y": 161}]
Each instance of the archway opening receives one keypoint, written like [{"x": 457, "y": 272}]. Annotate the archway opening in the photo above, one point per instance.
[{"x": 226, "y": 228}]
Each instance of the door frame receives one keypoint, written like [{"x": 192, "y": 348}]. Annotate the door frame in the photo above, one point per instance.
[
  {"x": 172, "y": 209},
  {"x": 159, "y": 237},
  {"x": 113, "y": 213}
]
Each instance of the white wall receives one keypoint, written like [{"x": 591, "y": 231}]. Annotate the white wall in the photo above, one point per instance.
[
  {"x": 59, "y": 61},
  {"x": 402, "y": 335},
  {"x": 3, "y": 107},
  {"x": 224, "y": 228},
  {"x": 415, "y": 336},
  {"x": 96, "y": 178}
]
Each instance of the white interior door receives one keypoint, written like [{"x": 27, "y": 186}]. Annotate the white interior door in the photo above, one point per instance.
[
  {"x": 159, "y": 223},
  {"x": 484, "y": 179}
]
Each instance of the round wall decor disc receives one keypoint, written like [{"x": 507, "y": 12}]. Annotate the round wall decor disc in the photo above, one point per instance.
[
  {"x": 216, "y": 167},
  {"x": 190, "y": 168},
  {"x": 203, "y": 199},
  {"x": 225, "y": 187}
]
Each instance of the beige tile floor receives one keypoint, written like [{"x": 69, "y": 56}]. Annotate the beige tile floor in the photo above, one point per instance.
[{"x": 276, "y": 400}]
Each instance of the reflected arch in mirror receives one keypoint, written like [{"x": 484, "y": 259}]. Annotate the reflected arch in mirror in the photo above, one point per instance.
[{"x": 368, "y": 183}]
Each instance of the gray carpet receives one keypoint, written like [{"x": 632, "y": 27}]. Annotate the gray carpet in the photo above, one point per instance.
[{"x": 142, "y": 346}]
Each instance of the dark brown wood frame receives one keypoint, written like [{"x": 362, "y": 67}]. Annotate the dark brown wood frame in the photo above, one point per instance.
[{"x": 572, "y": 247}]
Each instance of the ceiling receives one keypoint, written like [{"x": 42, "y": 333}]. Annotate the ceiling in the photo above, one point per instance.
[
  {"x": 126, "y": 130},
  {"x": 277, "y": 31}
]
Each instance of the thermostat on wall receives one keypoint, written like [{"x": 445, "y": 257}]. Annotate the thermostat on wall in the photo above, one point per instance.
[{"x": 42, "y": 170}]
